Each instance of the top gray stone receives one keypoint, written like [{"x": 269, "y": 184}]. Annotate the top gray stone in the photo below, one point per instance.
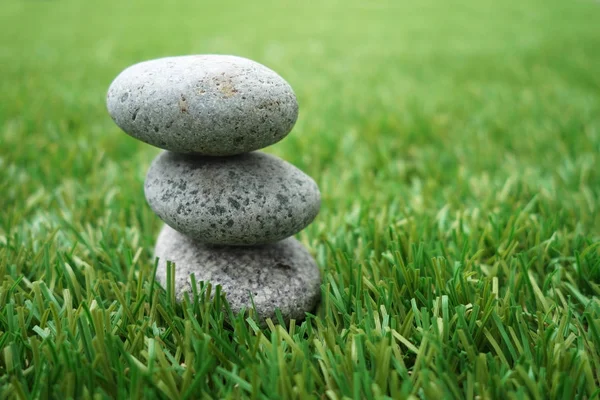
[{"x": 205, "y": 104}]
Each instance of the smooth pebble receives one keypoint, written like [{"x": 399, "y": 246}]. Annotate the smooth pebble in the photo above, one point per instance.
[
  {"x": 248, "y": 199},
  {"x": 280, "y": 275},
  {"x": 204, "y": 104}
]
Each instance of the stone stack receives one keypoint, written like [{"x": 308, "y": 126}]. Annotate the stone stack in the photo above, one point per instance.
[{"x": 230, "y": 212}]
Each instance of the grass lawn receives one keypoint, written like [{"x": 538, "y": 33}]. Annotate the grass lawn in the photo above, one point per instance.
[{"x": 457, "y": 148}]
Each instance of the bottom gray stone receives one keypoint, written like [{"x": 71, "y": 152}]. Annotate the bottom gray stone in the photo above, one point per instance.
[{"x": 281, "y": 275}]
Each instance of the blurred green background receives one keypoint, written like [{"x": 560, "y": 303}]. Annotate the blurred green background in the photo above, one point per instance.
[
  {"x": 389, "y": 92},
  {"x": 464, "y": 131}
]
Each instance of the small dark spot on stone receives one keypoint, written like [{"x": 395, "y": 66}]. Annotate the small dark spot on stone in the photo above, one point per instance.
[
  {"x": 182, "y": 185},
  {"x": 282, "y": 266},
  {"x": 169, "y": 124},
  {"x": 229, "y": 223},
  {"x": 156, "y": 129},
  {"x": 166, "y": 195},
  {"x": 234, "y": 203},
  {"x": 124, "y": 97},
  {"x": 183, "y": 104},
  {"x": 282, "y": 199},
  {"x": 135, "y": 113}
]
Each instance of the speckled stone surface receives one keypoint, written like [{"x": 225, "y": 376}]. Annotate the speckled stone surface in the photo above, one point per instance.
[
  {"x": 204, "y": 104},
  {"x": 248, "y": 199},
  {"x": 279, "y": 275}
]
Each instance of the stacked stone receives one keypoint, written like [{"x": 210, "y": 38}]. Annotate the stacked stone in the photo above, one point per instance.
[{"x": 230, "y": 212}]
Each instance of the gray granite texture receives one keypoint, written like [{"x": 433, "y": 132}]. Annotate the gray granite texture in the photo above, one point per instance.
[
  {"x": 204, "y": 104},
  {"x": 247, "y": 199},
  {"x": 280, "y": 275}
]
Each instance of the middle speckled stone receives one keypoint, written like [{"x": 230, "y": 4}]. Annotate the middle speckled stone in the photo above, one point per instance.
[{"x": 252, "y": 198}]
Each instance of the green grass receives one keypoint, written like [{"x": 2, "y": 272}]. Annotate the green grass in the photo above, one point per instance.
[{"x": 456, "y": 145}]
